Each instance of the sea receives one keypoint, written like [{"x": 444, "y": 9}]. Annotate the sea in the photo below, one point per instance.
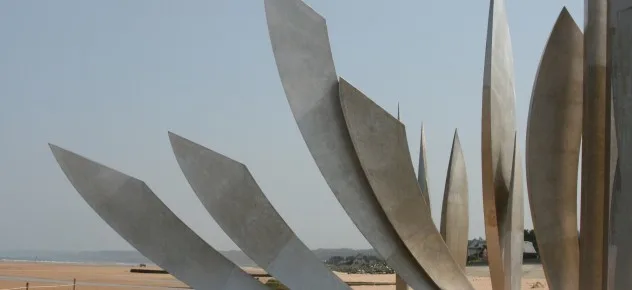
[{"x": 131, "y": 257}]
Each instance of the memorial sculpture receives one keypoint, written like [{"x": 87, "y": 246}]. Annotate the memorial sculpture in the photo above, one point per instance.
[
  {"x": 232, "y": 197},
  {"x": 620, "y": 245},
  {"x": 514, "y": 225},
  {"x": 497, "y": 146},
  {"x": 554, "y": 131},
  {"x": 400, "y": 284},
  {"x": 422, "y": 168},
  {"x": 143, "y": 220},
  {"x": 362, "y": 152},
  {"x": 455, "y": 220},
  {"x": 579, "y": 80},
  {"x": 380, "y": 143},
  {"x": 595, "y": 165},
  {"x": 300, "y": 44}
]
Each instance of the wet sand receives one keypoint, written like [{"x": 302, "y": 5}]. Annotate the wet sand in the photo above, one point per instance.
[{"x": 112, "y": 277}]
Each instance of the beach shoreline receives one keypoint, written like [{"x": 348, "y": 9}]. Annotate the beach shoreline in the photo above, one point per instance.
[{"x": 52, "y": 275}]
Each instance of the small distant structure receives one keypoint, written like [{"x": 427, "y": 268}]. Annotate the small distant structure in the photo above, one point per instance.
[
  {"x": 529, "y": 252},
  {"x": 476, "y": 249}
]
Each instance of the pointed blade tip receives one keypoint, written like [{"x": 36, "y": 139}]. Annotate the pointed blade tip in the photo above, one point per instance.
[
  {"x": 60, "y": 153},
  {"x": 564, "y": 17},
  {"x": 54, "y": 148},
  {"x": 179, "y": 143},
  {"x": 173, "y": 136},
  {"x": 184, "y": 147},
  {"x": 57, "y": 152},
  {"x": 564, "y": 10}
]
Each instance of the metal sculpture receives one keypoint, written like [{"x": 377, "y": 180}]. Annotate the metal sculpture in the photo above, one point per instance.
[
  {"x": 554, "y": 131},
  {"x": 380, "y": 142},
  {"x": 595, "y": 149},
  {"x": 400, "y": 284},
  {"x": 362, "y": 152},
  {"x": 621, "y": 235},
  {"x": 230, "y": 194},
  {"x": 303, "y": 56},
  {"x": 143, "y": 220},
  {"x": 454, "y": 213},
  {"x": 513, "y": 225},
  {"x": 498, "y": 128},
  {"x": 422, "y": 169},
  {"x": 615, "y": 7}
]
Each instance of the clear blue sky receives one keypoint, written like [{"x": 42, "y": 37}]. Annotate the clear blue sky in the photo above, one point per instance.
[{"x": 108, "y": 79}]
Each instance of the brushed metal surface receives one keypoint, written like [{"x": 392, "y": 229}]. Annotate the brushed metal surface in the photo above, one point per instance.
[
  {"x": 513, "y": 225},
  {"x": 143, "y": 220},
  {"x": 303, "y": 56},
  {"x": 380, "y": 142},
  {"x": 422, "y": 169},
  {"x": 595, "y": 180},
  {"x": 554, "y": 130},
  {"x": 231, "y": 195},
  {"x": 621, "y": 232},
  {"x": 498, "y": 128},
  {"x": 455, "y": 219}
]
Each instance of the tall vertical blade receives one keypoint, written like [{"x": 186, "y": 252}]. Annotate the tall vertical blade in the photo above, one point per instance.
[
  {"x": 144, "y": 221},
  {"x": 513, "y": 226},
  {"x": 621, "y": 235},
  {"x": 303, "y": 56},
  {"x": 455, "y": 220},
  {"x": 422, "y": 171},
  {"x": 615, "y": 8},
  {"x": 230, "y": 194},
  {"x": 381, "y": 145},
  {"x": 554, "y": 130},
  {"x": 595, "y": 180},
  {"x": 498, "y": 127}
]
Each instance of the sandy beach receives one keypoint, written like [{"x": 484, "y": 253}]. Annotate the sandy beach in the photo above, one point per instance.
[{"x": 57, "y": 276}]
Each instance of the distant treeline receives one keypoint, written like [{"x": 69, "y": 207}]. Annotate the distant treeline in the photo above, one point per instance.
[
  {"x": 359, "y": 264},
  {"x": 340, "y": 256}
]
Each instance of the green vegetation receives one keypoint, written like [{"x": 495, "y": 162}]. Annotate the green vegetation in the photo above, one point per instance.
[
  {"x": 358, "y": 264},
  {"x": 276, "y": 285}
]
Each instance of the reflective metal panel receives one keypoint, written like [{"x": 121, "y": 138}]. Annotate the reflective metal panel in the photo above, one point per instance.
[
  {"x": 422, "y": 171},
  {"x": 554, "y": 131},
  {"x": 498, "y": 127},
  {"x": 455, "y": 219},
  {"x": 303, "y": 56},
  {"x": 381, "y": 145},
  {"x": 143, "y": 220},
  {"x": 230, "y": 194},
  {"x": 621, "y": 243}
]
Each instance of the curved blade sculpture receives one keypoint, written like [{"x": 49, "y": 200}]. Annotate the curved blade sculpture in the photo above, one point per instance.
[
  {"x": 513, "y": 227},
  {"x": 554, "y": 131},
  {"x": 595, "y": 165},
  {"x": 422, "y": 171},
  {"x": 621, "y": 243},
  {"x": 381, "y": 145},
  {"x": 454, "y": 213},
  {"x": 303, "y": 56},
  {"x": 232, "y": 197},
  {"x": 498, "y": 128},
  {"x": 142, "y": 219}
]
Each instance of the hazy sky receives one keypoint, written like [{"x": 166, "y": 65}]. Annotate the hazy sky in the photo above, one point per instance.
[{"x": 108, "y": 79}]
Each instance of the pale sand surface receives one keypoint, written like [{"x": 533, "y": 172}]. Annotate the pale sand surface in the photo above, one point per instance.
[{"x": 97, "y": 277}]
